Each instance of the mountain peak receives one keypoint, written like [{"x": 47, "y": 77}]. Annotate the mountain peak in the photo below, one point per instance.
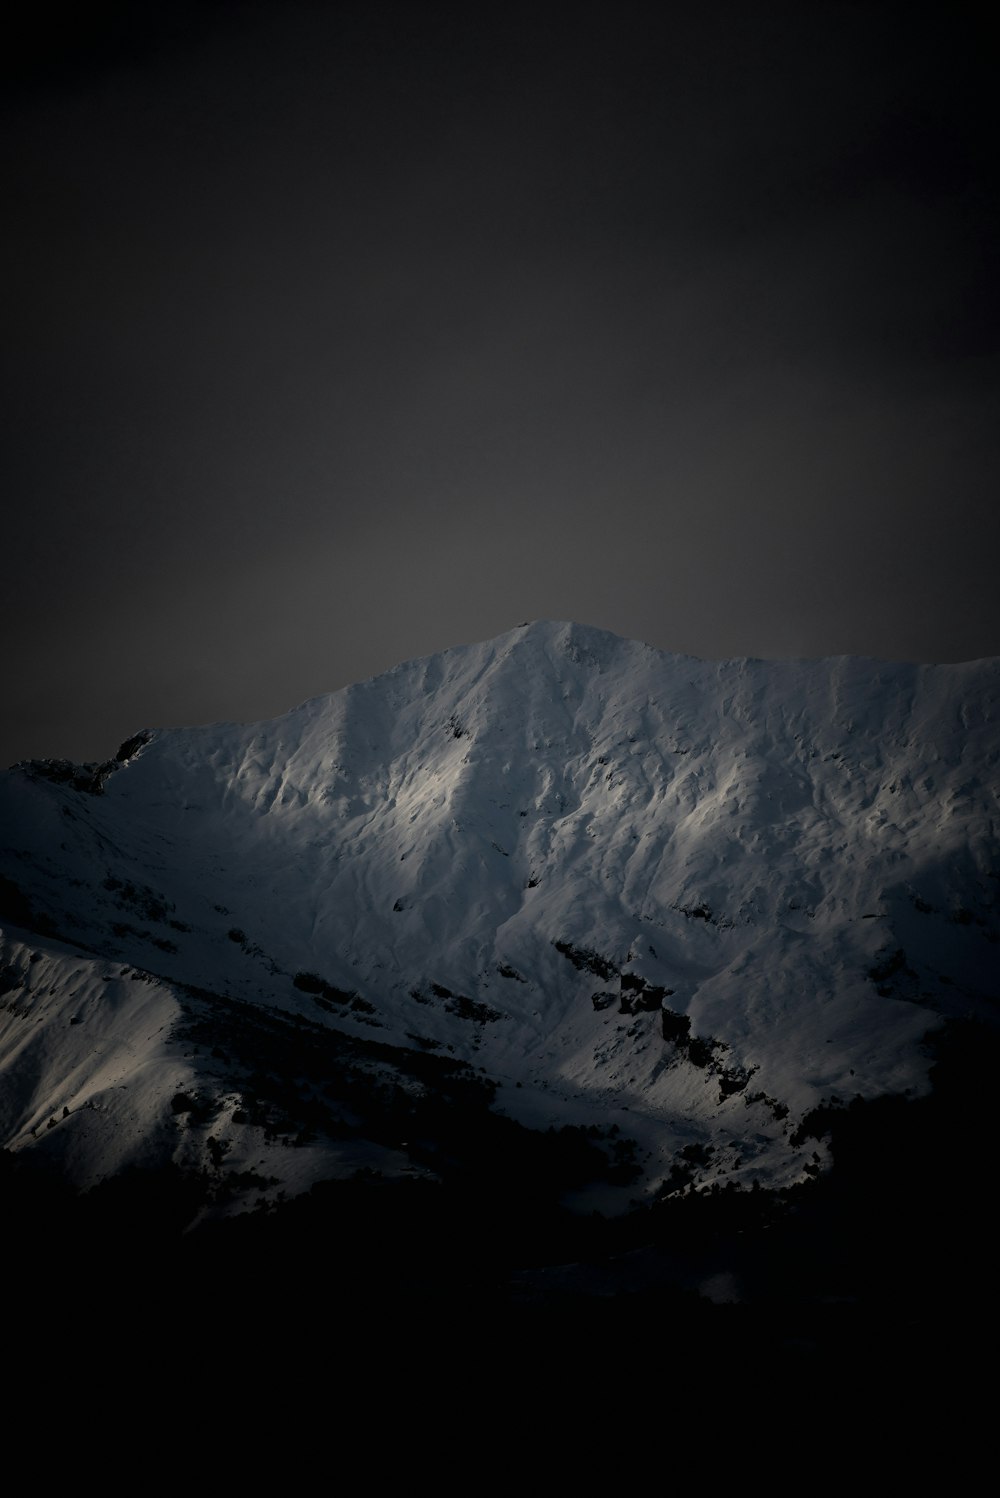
[{"x": 697, "y": 898}]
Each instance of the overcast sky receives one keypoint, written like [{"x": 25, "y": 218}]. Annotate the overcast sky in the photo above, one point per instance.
[{"x": 339, "y": 334}]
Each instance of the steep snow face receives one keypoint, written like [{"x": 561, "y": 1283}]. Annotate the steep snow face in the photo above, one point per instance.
[{"x": 692, "y": 898}]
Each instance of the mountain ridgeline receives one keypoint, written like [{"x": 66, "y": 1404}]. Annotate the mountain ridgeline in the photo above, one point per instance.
[{"x": 556, "y": 928}]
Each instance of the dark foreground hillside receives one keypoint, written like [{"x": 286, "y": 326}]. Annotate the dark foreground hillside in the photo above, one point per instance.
[{"x": 887, "y": 1257}]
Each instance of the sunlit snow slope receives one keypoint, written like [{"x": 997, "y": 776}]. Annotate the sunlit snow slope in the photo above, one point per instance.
[{"x": 688, "y": 899}]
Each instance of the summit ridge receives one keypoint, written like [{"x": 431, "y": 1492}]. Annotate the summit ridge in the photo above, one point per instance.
[{"x": 692, "y": 899}]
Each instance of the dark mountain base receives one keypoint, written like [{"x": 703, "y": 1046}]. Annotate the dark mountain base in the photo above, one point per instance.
[{"x": 888, "y": 1257}]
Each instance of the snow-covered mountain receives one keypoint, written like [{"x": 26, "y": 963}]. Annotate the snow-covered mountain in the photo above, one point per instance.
[{"x": 666, "y": 907}]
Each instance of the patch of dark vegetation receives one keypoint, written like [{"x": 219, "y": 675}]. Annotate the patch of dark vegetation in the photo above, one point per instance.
[
  {"x": 238, "y": 1182},
  {"x": 696, "y": 913},
  {"x": 239, "y": 938},
  {"x": 21, "y": 1011},
  {"x": 140, "y": 898},
  {"x": 778, "y": 1110},
  {"x": 459, "y": 1004},
  {"x": 675, "y": 1027},
  {"x": 734, "y": 1080},
  {"x": 626, "y": 1167},
  {"x": 698, "y": 1154},
  {"x": 705, "y": 1052},
  {"x": 217, "y": 1150},
  {"x": 586, "y": 960},
  {"x": 701, "y": 1050},
  {"x": 195, "y": 1109},
  {"x": 309, "y": 982},
  {"x": 326, "y": 995},
  {"x": 506, "y": 971},
  {"x": 122, "y": 929},
  {"x": 683, "y": 1169},
  {"x": 472, "y": 1009},
  {"x": 680, "y": 1179},
  {"x": 637, "y": 994}
]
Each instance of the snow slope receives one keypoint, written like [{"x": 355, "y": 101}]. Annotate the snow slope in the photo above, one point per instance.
[{"x": 684, "y": 901}]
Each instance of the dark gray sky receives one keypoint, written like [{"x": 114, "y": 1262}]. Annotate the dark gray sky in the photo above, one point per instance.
[{"x": 339, "y": 334}]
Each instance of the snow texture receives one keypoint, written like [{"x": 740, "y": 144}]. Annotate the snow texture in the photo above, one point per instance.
[{"x": 687, "y": 899}]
